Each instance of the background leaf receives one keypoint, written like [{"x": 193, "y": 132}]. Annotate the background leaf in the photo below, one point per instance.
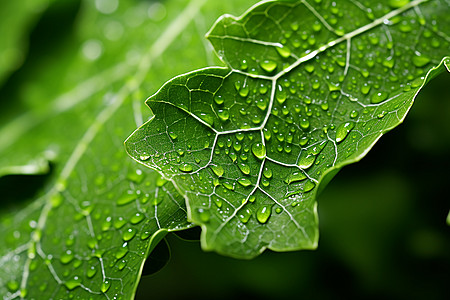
[{"x": 302, "y": 97}]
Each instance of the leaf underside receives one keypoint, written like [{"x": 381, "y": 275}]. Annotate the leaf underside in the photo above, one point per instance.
[{"x": 309, "y": 87}]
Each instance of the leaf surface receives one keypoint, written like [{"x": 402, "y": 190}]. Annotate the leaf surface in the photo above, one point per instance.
[
  {"x": 90, "y": 228},
  {"x": 309, "y": 87}
]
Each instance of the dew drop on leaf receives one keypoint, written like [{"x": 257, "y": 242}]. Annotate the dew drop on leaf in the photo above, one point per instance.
[
  {"x": 105, "y": 286},
  {"x": 343, "y": 130},
  {"x": 244, "y": 181},
  {"x": 186, "y": 168},
  {"x": 244, "y": 215},
  {"x": 378, "y": 97},
  {"x": 268, "y": 65},
  {"x": 259, "y": 150},
  {"x": 263, "y": 213},
  {"x": 204, "y": 215},
  {"x": 218, "y": 170}
]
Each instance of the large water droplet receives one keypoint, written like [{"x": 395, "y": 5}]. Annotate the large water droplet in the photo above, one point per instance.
[
  {"x": 105, "y": 286},
  {"x": 244, "y": 181},
  {"x": 420, "y": 60},
  {"x": 378, "y": 97},
  {"x": 122, "y": 251},
  {"x": 244, "y": 215},
  {"x": 268, "y": 65},
  {"x": 398, "y": 3},
  {"x": 263, "y": 213},
  {"x": 218, "y": 170},
  {"x": 73, "y": 283},
  {"x": 244, "y": 168},
  {"x": 306, "y": 160},
  {"x": 66, "y": 257},
  {"x": 128, "y": 234},
  {"x": 294, "y": 177},
  {"x": 204, "y": 215},
  {"x": 208, "y": 118},
  {"x": 185, "y": 168},
  {"x": 343, "y": 130},
  {"x": 284, "y": 51},
  {"x": 281, "y": 94},
  {"x": 259, "y": 150}
]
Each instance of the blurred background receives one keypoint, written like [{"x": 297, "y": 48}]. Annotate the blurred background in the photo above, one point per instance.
[{"x": 382, "y": 220}]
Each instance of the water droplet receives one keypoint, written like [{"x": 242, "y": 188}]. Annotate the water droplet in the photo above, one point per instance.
[
  {"x": 365, "y": 88},
  {"x": 284, "y": 51},
  {"x": 244, "y": 90},
  {"x": 343, "y": 130},
  {"x": 128, "y": 234},
  {"x": 105, "y": 286},
  {"x": 388, "y": 62},
  {"x": 244, "y": 65},
  {"x": 259, "y": 150},
  {"x": 12, "y": 285},
  {"x": 244, "y": 181},
  {"x": 378, "y": 97},
  {"x": 126, "y": 198},
  {"x": 185, "y": 168},
  {"x": 244, "y": 168},
  {"x": 218, "y": 99},
  {"x": 398, "y": 3},
  {"x": 262, "y": 104},
  {"x": 263, "y": 88},
  {"x": 73, "y": 283},
  {"x": 306, "y": 160},
  {"x": 137, "y": 218},
  {"x": 268, "y": 65},
  {"x": 119, "y": 222},
  {"x": 420, "y": 60},
  {"x": 66, "y": 257},
  {"x": 263, "y": 213},
  {"x": 244, "y": 215},
  {"x": 91, "y": 272},
  {"x": 204, "y": 215},
  {"x": 218, "y": 170},
  {"x": 122, "y": 251},
  {"x": 304, "y": 123},
  {"x": 208, "y": 118},
  {"x": 281, "y": 94},
  {"x": 173, "y": 135},
  {"x": 144, "y": 157},
  {"x": 267, "y": 173},
  {"x": 56, "y": 200},
  {"x": 309, "y": 185}
]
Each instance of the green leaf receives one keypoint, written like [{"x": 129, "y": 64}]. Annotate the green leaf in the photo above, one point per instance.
[
  {"x": 309, "y": 87},
  {"x": 89, "y": 229}
]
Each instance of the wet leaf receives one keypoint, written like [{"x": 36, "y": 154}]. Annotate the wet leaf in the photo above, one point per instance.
[{"x": 308, "y": 88}]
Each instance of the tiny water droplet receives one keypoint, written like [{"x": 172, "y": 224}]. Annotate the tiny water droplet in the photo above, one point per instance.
[
  {"x": 122, "y": 251},
  {"x": 281, "y": 94}
]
